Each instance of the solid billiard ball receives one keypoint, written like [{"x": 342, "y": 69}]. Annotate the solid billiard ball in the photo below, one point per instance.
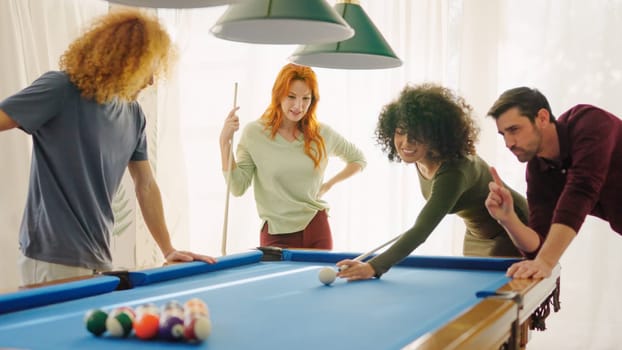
[
  {"x": 96, "y": 321},
  {"x": 327, "y": 275},
  {"x": 147, "y": 321},
  {"x": 147, "y": 325},
  {"x": 197, "y": 328},
  {"x": 119, "y": 322}
]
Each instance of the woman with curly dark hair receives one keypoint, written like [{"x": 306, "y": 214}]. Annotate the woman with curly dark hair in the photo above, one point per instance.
[{"x": 431, "y": 127}]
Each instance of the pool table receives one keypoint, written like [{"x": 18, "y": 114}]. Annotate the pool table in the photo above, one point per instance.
[{"x": 254, "y": 302}]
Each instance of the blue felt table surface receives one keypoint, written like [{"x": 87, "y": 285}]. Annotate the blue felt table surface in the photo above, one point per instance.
[{"x": 275, "y": 305}]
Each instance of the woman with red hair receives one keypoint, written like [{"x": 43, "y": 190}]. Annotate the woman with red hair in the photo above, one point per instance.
[{"x": 284, "y": 155}]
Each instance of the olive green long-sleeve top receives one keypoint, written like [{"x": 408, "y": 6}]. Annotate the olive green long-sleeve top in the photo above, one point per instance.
[
  {"x": 458, "y": 187},
  {"x": 285, "y": 180}
]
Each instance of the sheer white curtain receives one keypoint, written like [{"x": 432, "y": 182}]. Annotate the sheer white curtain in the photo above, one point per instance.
[
  {"x": 567, "y": 48},
  {"x": 33, "y": 35},
  {"x": 367, "y": 210}
]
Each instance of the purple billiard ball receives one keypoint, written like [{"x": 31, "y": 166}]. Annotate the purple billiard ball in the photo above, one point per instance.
[{"x": 171, "y": 327}]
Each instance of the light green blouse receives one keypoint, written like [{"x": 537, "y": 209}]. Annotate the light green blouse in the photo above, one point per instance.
[{"x": 284, "y": 178}]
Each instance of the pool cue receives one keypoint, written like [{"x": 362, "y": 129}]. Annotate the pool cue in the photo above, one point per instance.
[
  {"x": 223, "y": 247},
  {"x": 371, "y": 252}
]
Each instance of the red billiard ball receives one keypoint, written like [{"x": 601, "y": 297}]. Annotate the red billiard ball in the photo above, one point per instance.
[{"x": 95, "y": 321}]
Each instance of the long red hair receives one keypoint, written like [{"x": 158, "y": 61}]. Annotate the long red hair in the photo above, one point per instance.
[{"x": 308, "y": 125}]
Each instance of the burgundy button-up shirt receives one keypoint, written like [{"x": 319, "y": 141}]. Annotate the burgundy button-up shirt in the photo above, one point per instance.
[{"x": 587, "y": 179}]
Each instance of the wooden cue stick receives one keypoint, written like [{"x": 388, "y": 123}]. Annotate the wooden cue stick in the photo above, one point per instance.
[
  {"x": 223, "y": 247},
  {"x": 371, "y": 252}
]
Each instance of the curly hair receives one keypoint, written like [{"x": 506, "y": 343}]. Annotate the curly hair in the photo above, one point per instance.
[
  {"x": 118, "y": 55},
  {"x": 430, "y": 114},
  {"x": 308, "y": 125}
]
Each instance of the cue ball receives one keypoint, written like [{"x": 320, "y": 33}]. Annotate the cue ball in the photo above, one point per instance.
[{"x": 327, "y": 275}]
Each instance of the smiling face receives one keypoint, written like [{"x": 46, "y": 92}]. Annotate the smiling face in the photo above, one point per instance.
[
  {"x": 297, "y": 101},
  {"x": 409, "y": 149},
  {"x": 521, "y": 136}
]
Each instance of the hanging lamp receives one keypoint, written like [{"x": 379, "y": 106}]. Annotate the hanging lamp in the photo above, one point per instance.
[
  {"x": 282, "y": 22},
  {"x": 177, "y": 4},
  {"x": 367, "y": 49}
]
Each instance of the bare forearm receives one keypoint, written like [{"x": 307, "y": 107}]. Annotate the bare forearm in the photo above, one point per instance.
[
  {"x": 225, "y": 153},
  {"x": 150, "y": 201},
  {"x": 349, "y": 170},
  {"x": 6, "y": 122},
  {"x": 559, "y": 238},
  {"x": 523, "y": 237}
]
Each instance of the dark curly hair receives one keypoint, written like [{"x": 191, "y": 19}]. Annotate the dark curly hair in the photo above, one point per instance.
[{"x": 433, "y": 115}]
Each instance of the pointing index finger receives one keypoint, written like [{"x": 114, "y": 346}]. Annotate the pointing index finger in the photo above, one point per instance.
[{"x": 495, "y": 176}]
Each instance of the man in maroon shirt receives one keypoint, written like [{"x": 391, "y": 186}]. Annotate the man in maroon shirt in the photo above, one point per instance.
[{"x": 574, "y": 168}]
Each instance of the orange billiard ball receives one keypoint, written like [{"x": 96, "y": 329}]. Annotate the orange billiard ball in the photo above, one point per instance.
[{"x": 147, "y": 325}]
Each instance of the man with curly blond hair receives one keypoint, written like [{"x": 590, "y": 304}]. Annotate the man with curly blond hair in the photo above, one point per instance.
[{"x": 87, "y": 128}]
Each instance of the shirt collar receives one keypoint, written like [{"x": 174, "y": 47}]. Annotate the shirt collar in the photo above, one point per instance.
[{"x": 564, "y": 151}]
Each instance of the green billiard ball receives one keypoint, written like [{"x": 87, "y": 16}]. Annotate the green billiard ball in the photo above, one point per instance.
[
  {"x": 119, "y": 322},
  {"x": 96, "y": 321}
]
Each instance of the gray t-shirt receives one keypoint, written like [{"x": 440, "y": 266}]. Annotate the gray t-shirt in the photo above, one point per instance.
[{"x": 80, "y": 152}]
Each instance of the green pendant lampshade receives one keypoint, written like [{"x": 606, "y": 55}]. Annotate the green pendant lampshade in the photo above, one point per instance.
[
  {"x": 282, "y": 22},
  {"x": 174, "y": 4},
  {"x": 366, "y": 50}
]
